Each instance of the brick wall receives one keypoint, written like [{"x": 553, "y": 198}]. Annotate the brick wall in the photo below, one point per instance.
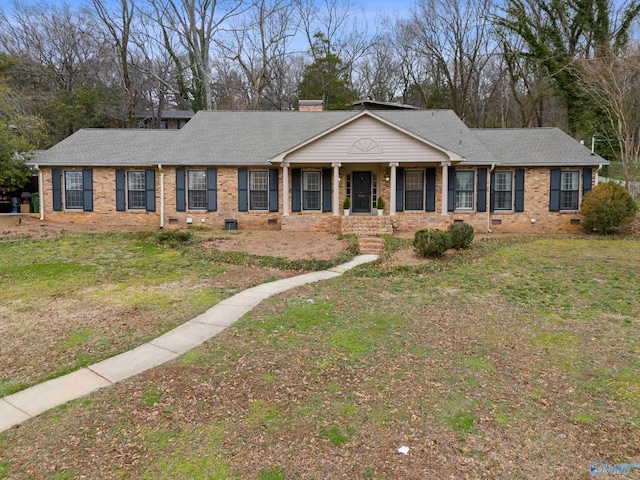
[
  {"x": 536, "y": 203},
  {"x": 104, "y": 203},
  {"x": 325, "y": 222}
]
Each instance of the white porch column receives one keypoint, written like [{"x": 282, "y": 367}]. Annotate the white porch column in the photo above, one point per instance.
[
  {"x": 285, "y": 189},
  {"x": 392, "y": 188},
  {"x": 445, "y": 187},
  {"x": 336, "y": 188}
]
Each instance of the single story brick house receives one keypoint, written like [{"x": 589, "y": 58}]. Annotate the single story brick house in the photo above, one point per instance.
[{"x": 293, "y": 170}]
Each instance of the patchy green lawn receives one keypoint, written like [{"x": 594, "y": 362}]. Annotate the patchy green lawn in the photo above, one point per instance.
[
  {"x": 74, "y": 300},
  {"x": 518, "y": 359}
]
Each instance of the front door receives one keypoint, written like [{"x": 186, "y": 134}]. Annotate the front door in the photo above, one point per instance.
[{"x": 361, "y": 193}]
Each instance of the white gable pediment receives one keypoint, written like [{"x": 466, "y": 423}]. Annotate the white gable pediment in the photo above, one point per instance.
[{"x": 367, "y": 139}]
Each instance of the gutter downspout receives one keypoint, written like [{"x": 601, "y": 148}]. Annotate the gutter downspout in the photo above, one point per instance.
[
  {"x": 493, "y": 166},
  {"x": 161, "y": 195},
  {"x": 597, "y": 174},
  {"x": 40, "y": 190}
]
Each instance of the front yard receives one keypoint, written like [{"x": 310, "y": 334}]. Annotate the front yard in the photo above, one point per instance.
[{"x": 518, "y": 359}]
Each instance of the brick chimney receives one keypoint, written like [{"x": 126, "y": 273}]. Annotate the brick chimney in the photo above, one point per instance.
[{"x": 310, "y": 105}]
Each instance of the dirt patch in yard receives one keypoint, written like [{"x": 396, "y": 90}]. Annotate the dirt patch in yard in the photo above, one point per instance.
[{"x": 292, "y": 245}]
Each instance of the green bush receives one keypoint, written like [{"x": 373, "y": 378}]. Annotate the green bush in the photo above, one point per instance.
[
  {"x": 431, "y": 242},
  {"x": 175, "y": 236},
  {"x": 606, "y": 207},
  {"x": 461, "y": 235}
]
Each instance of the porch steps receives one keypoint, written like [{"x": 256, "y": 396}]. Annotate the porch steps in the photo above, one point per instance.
[{"x": 371, "y": 245}]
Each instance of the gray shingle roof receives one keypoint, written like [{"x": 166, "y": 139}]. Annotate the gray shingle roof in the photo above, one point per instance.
[
  {"x": 444, "y": 128},
  {"x": 249, "y": 138},
  {"x": 254, "y": 138},
  {"x": 537, "y": 147},
  {"x": 102, "y": 147}
]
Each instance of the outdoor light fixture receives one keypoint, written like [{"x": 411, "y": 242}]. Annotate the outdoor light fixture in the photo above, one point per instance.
[{"x": 387, "y": 176}]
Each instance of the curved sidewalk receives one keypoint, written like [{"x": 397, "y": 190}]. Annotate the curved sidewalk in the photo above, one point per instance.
[{"x": 28, "y": 403}]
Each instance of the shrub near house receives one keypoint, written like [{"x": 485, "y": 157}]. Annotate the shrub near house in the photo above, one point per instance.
[{"x": 608, "y": 206}]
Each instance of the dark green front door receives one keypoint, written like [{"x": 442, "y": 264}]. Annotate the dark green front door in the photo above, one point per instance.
[{"x": 361, "y": 192}]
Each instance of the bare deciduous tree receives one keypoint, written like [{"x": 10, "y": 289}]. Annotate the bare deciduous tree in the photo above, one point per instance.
[
  {"x": 118, "y": 30},
  {"x": 613, "y": 82},
  {"x": 259, "y": 42},
  {"x": 195, "y": 24},
  {"x": 57, "y": 38},
  {"x": 455, "y": 36}
]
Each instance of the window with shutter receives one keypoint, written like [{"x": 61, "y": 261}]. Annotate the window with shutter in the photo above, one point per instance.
[
  {"x": 503, "y": 190},
  {"x": 197, "y": 189},
  {"x": 136, "y": 191},
  {"x": 311, "y": 187},
  {"x": 259, "y": 190},
  {"x": 73, "y": 190},
  {"x": 569, "y": 190},
  {"x": 414, "y": 190},
  {"x": 464, "y": 190}
]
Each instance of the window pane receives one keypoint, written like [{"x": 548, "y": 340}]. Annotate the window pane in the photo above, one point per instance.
[
  {"x": 136, "y": 190},
  {"x": 503, "y": 189},
  {"x": 258, "y": 193},
  {"x": 73, "y": 190},
  {"x": 414, "y": 190},
  {"x": 311, "y": 182},
  {"x": 197, "y": 194},
  {"x": 569, "y": 190},
  {"x": 464, "y": 190},
  {"x": 464, "y": 200},
  {"x": 570, "y": 180},
  {"x": 464, "y": 181}
]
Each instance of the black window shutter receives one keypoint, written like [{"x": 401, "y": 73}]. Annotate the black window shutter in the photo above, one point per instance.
[
  {"x": 519, "y": 201},
  {"x": 273, "y": 190},
  {"x": 492, "y": 186},
  {"x": 586, "y": 180},
  {"x": 56, "y": 182},
  {"x": 150, "y": 188},
  {"x": 87, "y": 190},
  {"x": 181, "y": 204},
  {"x": 451, "y": 190},
  {"x": 482, "y": 190},
  {"x": 431, "y": 189},
  {"x": 212, "y": 189},
  {"x": 243, "y": 201},
  {"x": 554, "y": 193},
  {"x": 296, "y": 199},
  {"x": 120, "y": 204},
  {"x": 399, "y": 189},
  {"x": 326, "y": 189}
]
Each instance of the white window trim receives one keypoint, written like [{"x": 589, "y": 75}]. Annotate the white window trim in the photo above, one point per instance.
[
  {"x": 64, "y": 192},
  {"x": 188, "y": 190},
  {"x": 579, "y": 172},
  {"x": 126, "y": 187},
  {"x": 513, "y": 193},
  {"x": 319, "y": 171},
  {"x": 249, "y": 189},
  {"x": 424, "y": 189},
  {"x": 474, "y": 193}
]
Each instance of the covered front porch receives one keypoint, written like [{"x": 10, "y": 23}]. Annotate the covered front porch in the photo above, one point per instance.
[
  {"x": 362, "y": 184},
  {"x": 414, "y": 196}
]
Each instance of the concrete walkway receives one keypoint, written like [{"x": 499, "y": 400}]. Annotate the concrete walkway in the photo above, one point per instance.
[{"x": 21, "y": 406}]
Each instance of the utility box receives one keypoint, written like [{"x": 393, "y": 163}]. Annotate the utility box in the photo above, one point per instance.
[{"x": 230, "y": 224}]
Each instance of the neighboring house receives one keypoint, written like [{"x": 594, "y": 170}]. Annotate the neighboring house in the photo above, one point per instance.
[
  {"x": 167, "y": 120},
  {"x": 293, "y": 170}
]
